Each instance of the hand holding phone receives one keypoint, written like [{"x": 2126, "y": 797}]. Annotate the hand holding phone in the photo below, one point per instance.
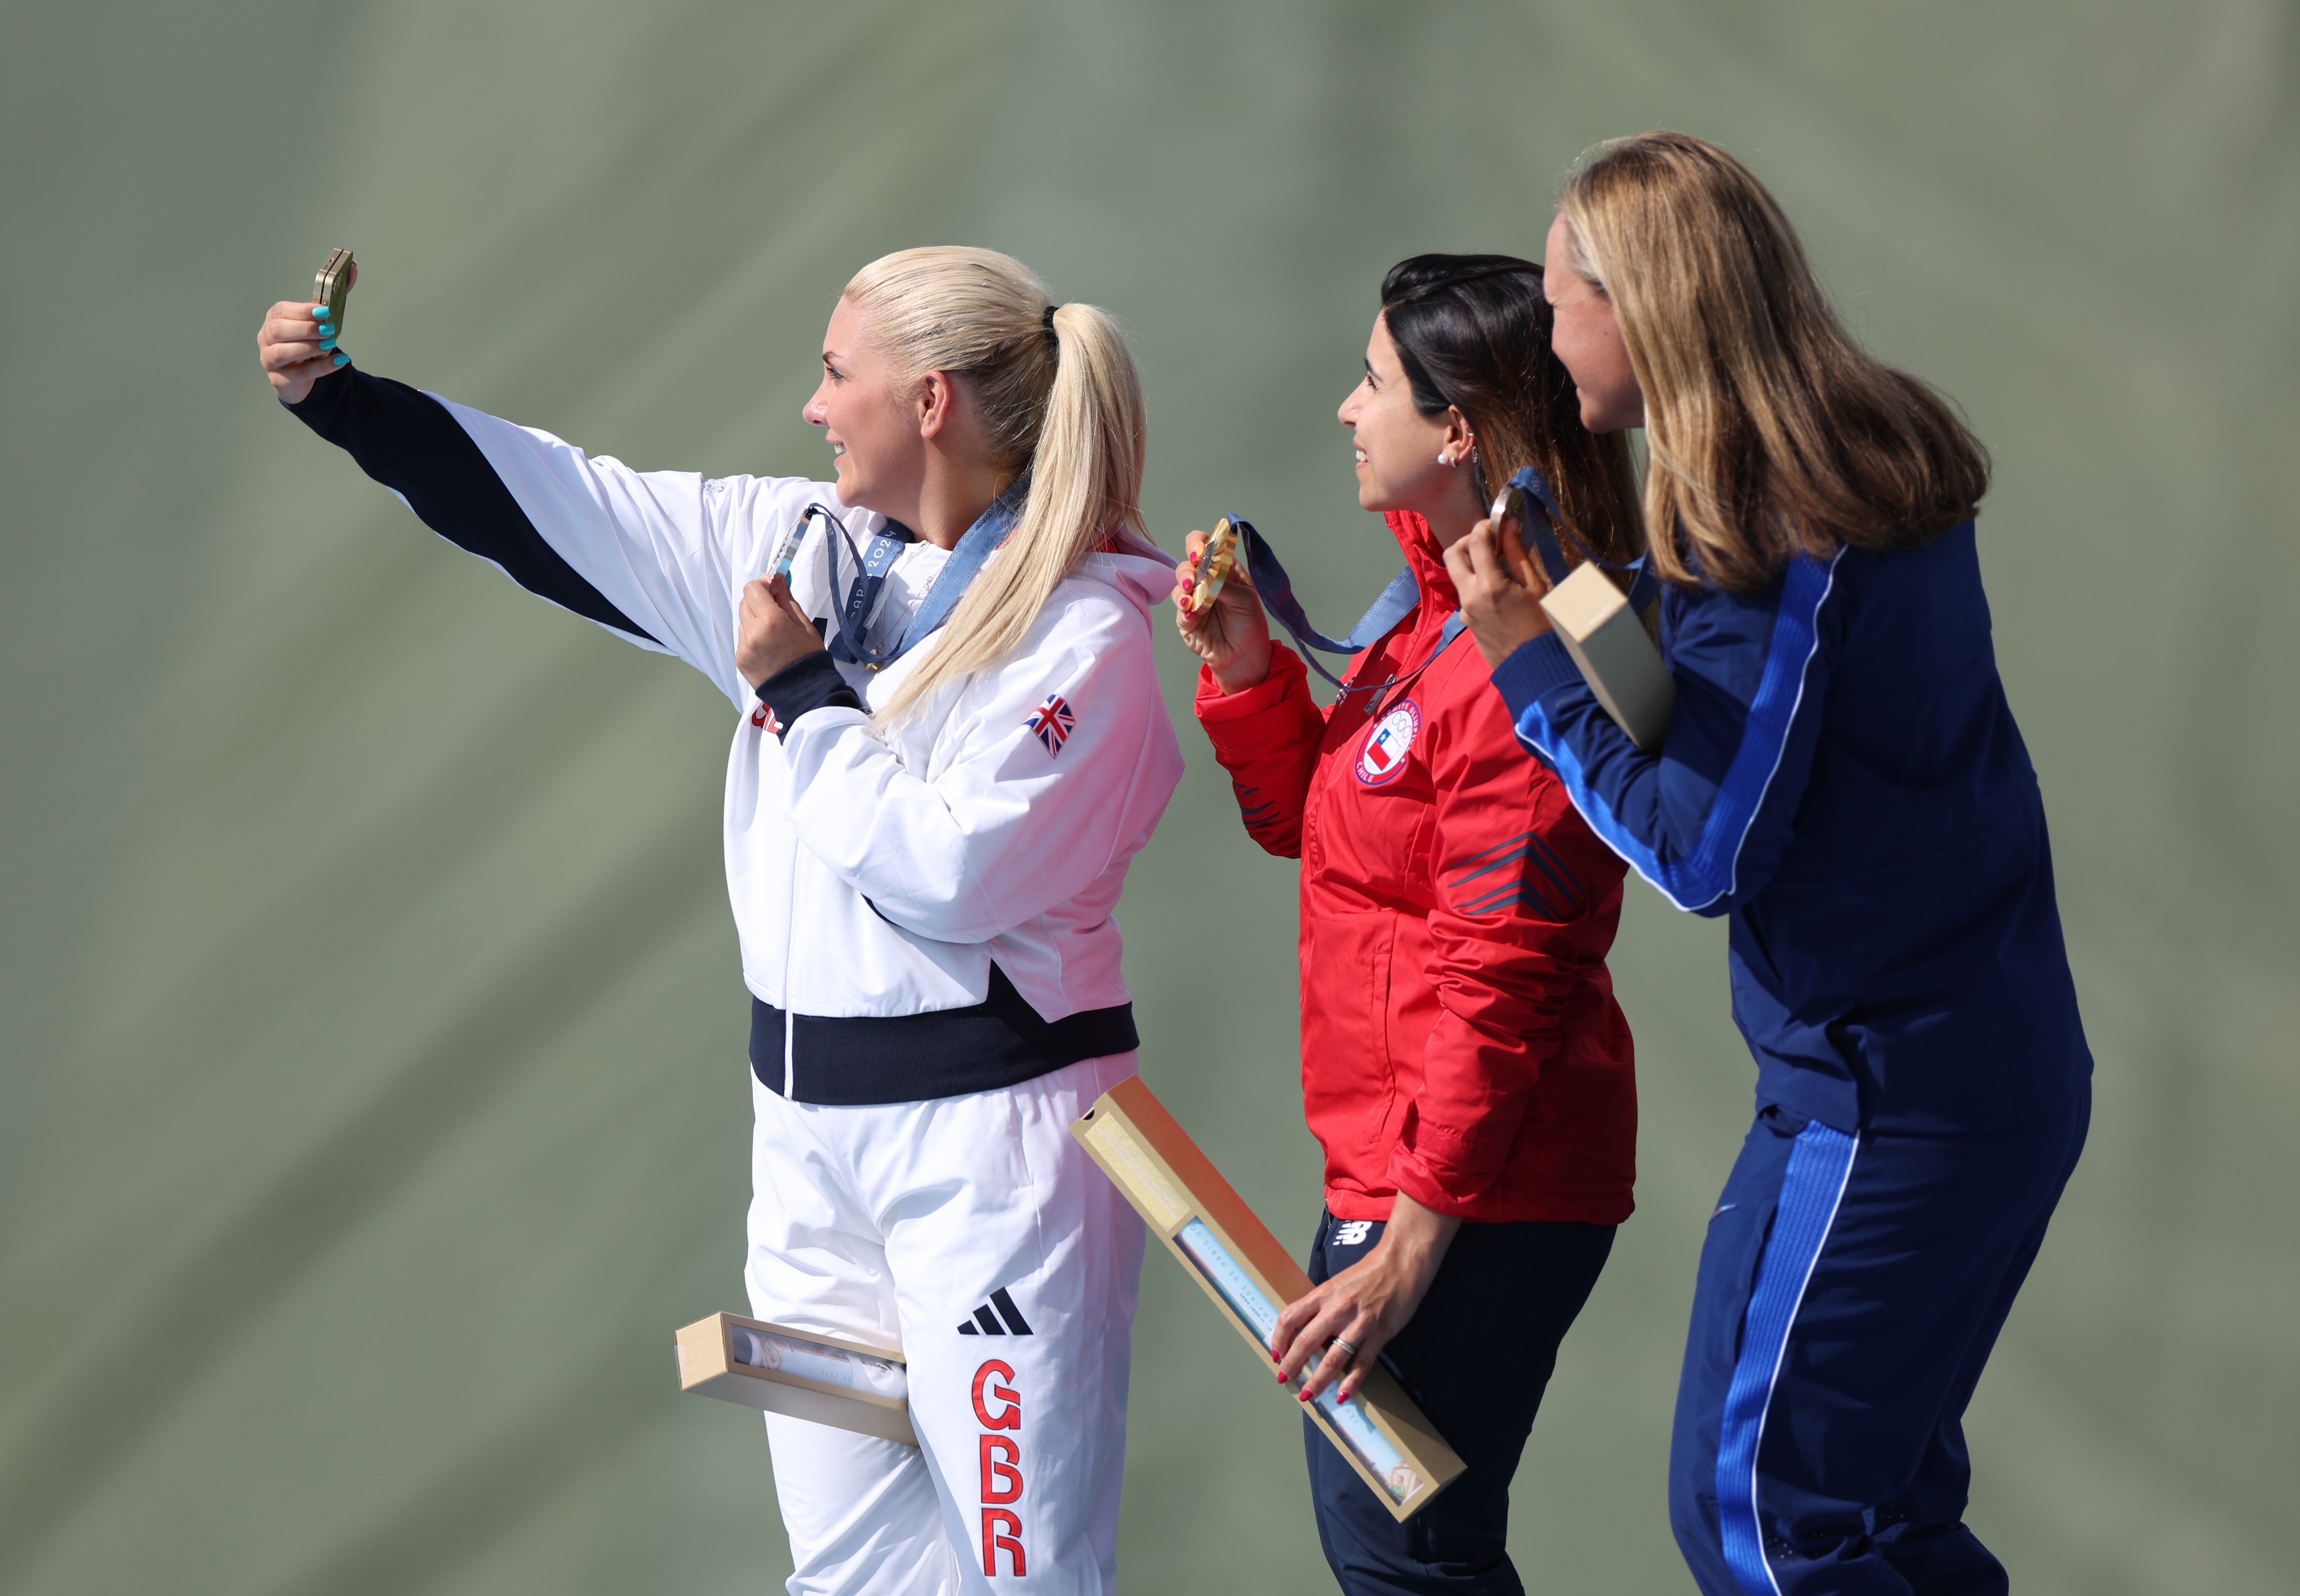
[{"x": 296, "y": 344}]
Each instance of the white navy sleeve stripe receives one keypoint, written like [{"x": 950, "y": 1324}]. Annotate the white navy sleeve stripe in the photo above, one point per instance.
[{"x": 407, "y": 441}]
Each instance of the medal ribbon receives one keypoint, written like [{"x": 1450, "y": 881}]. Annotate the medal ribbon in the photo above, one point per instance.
[
  {"x": 1275, "y": 588},
  {"x": 942, "y": 595},
  {"x": 1541, "y": 532}
]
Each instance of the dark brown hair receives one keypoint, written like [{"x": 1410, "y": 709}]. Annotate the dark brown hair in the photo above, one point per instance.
[{"x": 1472, "y": 333}]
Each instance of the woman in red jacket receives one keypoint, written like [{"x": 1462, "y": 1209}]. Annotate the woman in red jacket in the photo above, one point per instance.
[{"x": 1464, "y": 1063}]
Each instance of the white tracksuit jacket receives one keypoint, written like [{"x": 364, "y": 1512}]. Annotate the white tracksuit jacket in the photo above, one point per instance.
[
  {"x": 924, "y": 912},
  {"x": 926, "y": 926}
]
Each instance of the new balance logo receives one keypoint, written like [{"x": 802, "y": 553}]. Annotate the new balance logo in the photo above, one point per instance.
[
  {"x": 1352, "y": 1233},
  {"x": 988, "y": 1318}
]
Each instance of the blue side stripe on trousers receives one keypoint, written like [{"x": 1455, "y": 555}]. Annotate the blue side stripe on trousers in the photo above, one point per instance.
[{"x": 1821, "y": 1161}]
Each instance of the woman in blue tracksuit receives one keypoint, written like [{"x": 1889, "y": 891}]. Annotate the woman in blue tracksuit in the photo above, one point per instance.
[{"x": 1841, "y": 777}]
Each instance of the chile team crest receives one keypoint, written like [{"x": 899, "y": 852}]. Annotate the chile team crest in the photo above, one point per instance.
[
  {"x": 1052, "y": 723},
  {"x": 1382, "y": 760}
]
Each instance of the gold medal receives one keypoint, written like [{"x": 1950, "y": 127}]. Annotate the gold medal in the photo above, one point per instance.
[{"x": 1216, "y": 560}]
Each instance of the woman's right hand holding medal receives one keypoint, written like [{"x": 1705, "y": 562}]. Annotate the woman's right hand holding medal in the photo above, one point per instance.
[{"x": 1231, "y": 635}]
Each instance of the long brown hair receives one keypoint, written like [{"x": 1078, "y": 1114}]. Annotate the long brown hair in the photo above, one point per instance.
[
  {"x": 1472, "y": 333},
  {"x": 1769, "y": 431}
]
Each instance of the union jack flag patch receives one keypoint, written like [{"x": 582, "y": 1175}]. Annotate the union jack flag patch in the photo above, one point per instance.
[{"x": 1052, "y": 723}]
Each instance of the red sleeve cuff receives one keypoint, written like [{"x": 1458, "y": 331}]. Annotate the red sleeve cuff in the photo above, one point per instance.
[
  {"x": 1450, "y": 1190},
  {"x": 1287, "y": 677}
]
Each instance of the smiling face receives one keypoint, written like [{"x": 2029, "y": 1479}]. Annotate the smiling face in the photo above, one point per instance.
[
  {"x": 1587, "y": 339},
  {"x": 1397, "y": 446},
  {"x": 872, "y": 421}
]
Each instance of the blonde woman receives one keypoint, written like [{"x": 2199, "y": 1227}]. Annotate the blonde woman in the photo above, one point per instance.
[
  {"x": 1843, "y": 780},
  {"x": 949, "y": 746}
]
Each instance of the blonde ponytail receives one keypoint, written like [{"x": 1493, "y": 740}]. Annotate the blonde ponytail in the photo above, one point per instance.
[{"x": 1060, "y": 399}]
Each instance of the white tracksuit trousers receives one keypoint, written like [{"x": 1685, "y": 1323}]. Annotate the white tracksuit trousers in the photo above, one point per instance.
[{"x": 893, "y": 1225}]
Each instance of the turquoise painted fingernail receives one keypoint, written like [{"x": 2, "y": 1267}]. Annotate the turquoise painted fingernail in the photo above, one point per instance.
[
  {"x": 341, "y": 357},
  {"x": 327, "y": 329},
  {"x": 327, "y": 343},
  {"x": 320, "y": 310}
]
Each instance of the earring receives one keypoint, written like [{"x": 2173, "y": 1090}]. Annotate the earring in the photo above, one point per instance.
[{"x": 1443, "y": 461}]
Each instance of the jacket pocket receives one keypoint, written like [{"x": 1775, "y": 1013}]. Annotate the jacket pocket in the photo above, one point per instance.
[{"x": 1349, "y": 1085}]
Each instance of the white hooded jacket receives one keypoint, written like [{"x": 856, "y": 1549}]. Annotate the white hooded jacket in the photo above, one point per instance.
[{"x": 925, "y": 909}]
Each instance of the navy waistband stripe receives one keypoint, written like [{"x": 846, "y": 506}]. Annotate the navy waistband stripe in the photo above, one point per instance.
[{"x": 849, "y": 1062}]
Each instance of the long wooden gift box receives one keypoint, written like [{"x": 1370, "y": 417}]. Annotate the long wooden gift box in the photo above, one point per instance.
[
  {"x": 1250, "y": 1276},
  {"x": 763, "y": 1370}
]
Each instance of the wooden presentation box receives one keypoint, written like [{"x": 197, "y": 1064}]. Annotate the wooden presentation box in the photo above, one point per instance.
[
  {"x": 1593, "y": 621},
  {"x": 798, "y": 1372},
  {"x": 1250, "y": 1276}
]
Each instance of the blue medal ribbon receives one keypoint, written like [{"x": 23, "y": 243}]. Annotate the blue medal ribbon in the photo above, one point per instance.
[
  {"x": 942, "y": 595},
  {"x": 1541, "y": 531},
  {"x": 1275, "y": 588}
]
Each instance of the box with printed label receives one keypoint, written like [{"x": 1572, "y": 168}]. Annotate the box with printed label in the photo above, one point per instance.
[
  {"x": 1251, "y": 1276},
  {"x": 799, "y": 1372}
]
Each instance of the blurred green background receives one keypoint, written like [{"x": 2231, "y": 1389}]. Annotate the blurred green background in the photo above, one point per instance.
[{"x": 372, "y": 1101}]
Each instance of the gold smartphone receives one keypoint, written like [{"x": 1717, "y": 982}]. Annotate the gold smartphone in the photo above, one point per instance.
[
  {"x": 1216, "y": 560},
  {"x": 333, "y": 286}
]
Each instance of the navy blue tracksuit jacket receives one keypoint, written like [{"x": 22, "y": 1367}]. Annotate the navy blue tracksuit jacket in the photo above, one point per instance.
[{"x": 1843, "y": 779}]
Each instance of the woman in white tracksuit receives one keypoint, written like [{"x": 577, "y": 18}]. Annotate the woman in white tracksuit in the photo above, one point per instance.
[{"x": 943, "y": 761}]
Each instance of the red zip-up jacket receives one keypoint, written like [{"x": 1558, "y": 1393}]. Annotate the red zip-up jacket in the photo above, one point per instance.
[{"x": 1460, "y": 1039}]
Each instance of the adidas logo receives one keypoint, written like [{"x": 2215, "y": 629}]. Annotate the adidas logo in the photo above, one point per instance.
[{"x": 986, "y": 1318}]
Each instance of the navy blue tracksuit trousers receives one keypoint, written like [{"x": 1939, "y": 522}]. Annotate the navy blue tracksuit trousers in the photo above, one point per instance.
[
  {"x": 1851, "y": 1289},
  {"x": 1510, "y": 1290}
]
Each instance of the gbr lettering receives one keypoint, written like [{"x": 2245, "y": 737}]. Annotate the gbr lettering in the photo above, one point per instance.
[{"x": 998, "y": 1406}]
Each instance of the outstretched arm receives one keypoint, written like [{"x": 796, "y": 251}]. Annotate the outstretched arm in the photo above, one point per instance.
[{"x": 659, "y": 557}]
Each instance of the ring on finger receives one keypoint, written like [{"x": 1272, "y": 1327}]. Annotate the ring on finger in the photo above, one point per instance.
[{"x": 1348, "y": 1348}]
